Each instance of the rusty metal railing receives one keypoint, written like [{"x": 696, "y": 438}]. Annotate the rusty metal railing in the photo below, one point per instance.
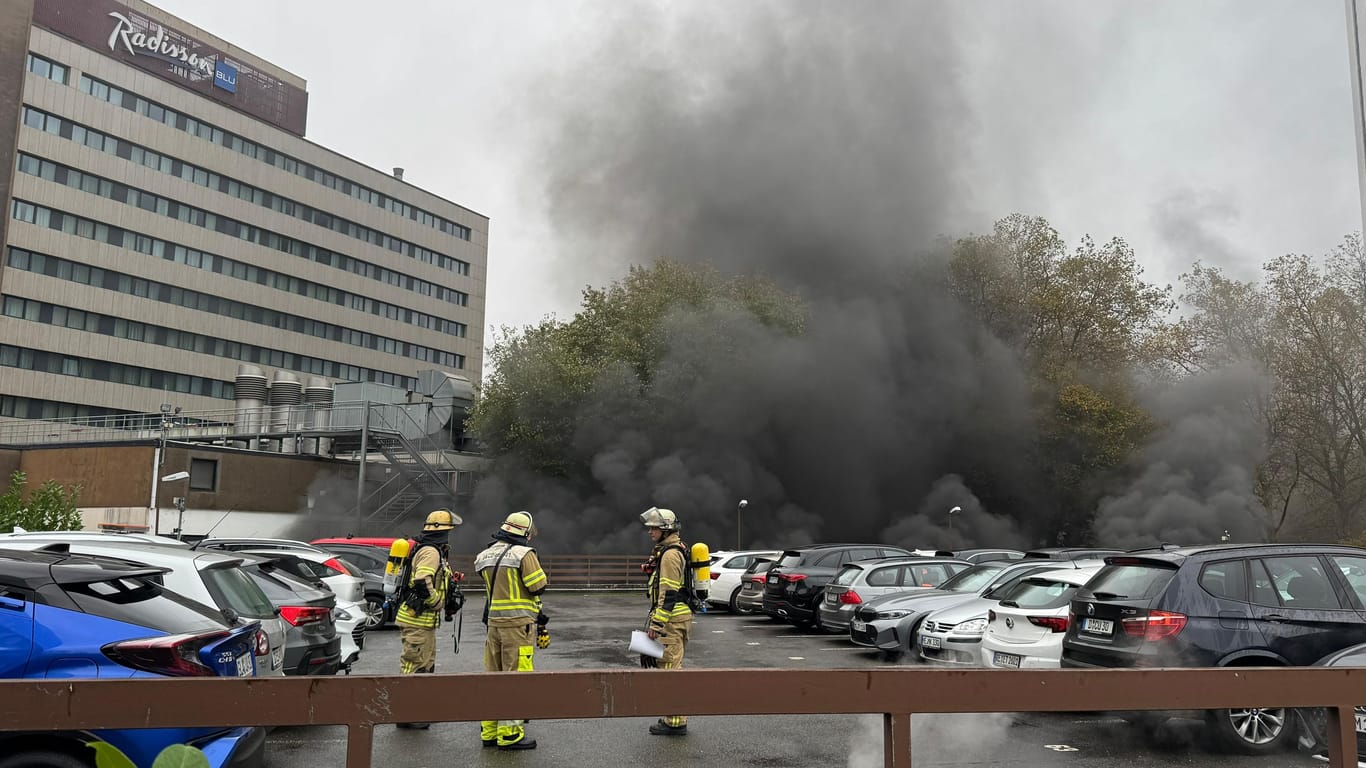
[{"x": 361, "y": 703}]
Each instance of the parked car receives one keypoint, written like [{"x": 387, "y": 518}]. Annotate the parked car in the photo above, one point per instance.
[
  {"x": 868, "y": 579},
  {"x": 1025, "y": 629},
  {"x": 1314, "y": 735},
  {"x": 67, "y": 616},
  {"x": 371, "y": 559},
  {"x": 794, "y": 583},
  {"x": 212, "y": 578},
  {"x": 752, "y": 586},
  {"x": 1070, "y": 553},
  {"x": 726, "y": 569},
  {"x": 952, "y": 635},
  {"x": 313, "y": 645},
  {"x": 975, "y": 556},
  {"x": 1223, "y": 605},
  {"x": 890, "y": 624}
]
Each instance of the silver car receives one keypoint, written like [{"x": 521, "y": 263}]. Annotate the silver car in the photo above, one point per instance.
[
  {"x": 727, "y": 568},
  {"x": 864, "y": 580},
  {"x": 211, "y": 578}
]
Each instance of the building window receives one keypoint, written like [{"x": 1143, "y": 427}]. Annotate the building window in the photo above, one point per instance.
[
  {"x": 203, "y": 474},
  {"x": 48, "y": 68}
]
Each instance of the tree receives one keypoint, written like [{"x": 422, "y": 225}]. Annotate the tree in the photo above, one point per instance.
[{"x": 51, "y": 507}]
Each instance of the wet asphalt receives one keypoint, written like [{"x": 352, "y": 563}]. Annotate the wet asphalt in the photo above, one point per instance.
[{"x": 589, "y": 630}]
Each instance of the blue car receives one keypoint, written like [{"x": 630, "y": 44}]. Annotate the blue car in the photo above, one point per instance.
[{"x": 70, "y": 616}]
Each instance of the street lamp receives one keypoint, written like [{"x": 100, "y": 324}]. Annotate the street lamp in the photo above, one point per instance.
[
  {"x": 953, "y": 512},
  {"x": 179, "y": 501},
  {"x": 158, "y": 460},
  {"x": 743, "y": 503},
  {"x": 1225, "y": 537}
]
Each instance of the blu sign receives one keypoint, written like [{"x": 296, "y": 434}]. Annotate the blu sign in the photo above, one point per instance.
[{"x": 225, "y": 76}]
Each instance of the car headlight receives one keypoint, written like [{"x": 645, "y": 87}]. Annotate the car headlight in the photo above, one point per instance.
[
  {"x": 893, "y": 614},
  {"x": 342, "y": 615},
  {"x": 973, "y": 627}
]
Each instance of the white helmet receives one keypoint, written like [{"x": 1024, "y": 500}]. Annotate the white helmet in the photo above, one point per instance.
[
  {"x": 663, "y": 519},
  {"x": 519, "y": 524}
]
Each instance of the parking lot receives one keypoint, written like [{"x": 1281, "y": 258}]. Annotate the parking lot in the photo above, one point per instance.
[{"x": 590, "y": 630}]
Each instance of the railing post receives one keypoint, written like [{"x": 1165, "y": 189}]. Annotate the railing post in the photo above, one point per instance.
[
  {"x": 896, "y": 740},
  {"x": 1342, "y": 737},
  {"x": 359, "y": 745}
]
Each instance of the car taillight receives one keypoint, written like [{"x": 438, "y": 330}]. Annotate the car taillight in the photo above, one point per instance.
[
  {"x": 757, "y": 579},
  {"x": 792, "y": 578},
  {"x": 1052, "y": 623},
  {"x": 1157, "y": 625},
  {"x": 299, "y": 615},
  {"x": 850, "y": 598},
  {"x": 715, "y": 575},
  {"x": 336, "y": 565},
  {"x": 172, "y": 655},
  {"x": 262, "y": 643}
]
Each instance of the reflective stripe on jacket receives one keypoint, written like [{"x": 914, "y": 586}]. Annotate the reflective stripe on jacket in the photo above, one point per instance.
[{"x": 513, "y": 580}]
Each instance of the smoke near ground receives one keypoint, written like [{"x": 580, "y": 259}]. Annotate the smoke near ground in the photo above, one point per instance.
[
  {"x": 1195, "y": 481},
  {"x": 819, "y": 148}
]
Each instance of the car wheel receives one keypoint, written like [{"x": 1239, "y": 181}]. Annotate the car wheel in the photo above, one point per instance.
[
  {"x": 735, "y": 606},
  {"x": 1254, "y": 731},
  {"x": 43, "y": 759},
  {"x": 375, "y": 613}
]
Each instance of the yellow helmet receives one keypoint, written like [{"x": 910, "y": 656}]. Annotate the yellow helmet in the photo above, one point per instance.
[
  {"x": 442, "y": 520},
  {"x": 663, "y": 519},
  {"x": 519, "y": 524}
]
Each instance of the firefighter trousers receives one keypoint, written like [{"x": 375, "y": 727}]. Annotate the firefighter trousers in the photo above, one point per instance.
[
  {"x": 419, "y": 649},
  {"x": 675, "y": 642},
  {"x": 508, "y": 649}
]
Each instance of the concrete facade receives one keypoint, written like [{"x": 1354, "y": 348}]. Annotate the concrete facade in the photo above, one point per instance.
[{"x": 158, "y": 234}]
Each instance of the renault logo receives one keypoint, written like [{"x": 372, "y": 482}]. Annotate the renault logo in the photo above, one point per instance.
[{"x": 1010, "y": 623}]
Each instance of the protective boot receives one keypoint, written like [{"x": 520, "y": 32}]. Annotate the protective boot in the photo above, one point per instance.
[{"x": 661, "y": 728}]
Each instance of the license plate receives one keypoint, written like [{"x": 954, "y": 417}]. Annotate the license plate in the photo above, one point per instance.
[
  {"x": 1098, "y": 626},
  {"x": 859, "y": 625},
  {"x": 1005, "y": 660},
  {"x": 931, "y": 642},
  {"x": 1361, "y": 723},
  {"x": 244, "y": 665},
  {"x": 277, "y": 657},
  {"x": 772, "y": 579}
]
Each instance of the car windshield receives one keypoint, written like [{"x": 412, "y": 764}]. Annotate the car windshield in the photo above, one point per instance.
[
  {"x": 1133, "y": 581},
  {"x": 847, "y": 575},
  {"x": 790, "y": 559},
  {"x": 233, "y": 589},
  {"x": 141, "y": 602},
  {"x": 973, "y": 579},
  {"x": 1039, "y": 593}
]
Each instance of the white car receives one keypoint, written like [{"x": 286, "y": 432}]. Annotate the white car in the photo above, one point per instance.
[
  {"x": 208, "y": 577},
  {"x": 726, "y": 570},
  {"x": 1026, "y": 627}
]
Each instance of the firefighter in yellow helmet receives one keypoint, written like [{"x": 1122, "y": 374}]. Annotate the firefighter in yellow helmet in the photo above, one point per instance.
[
  {"x": 513, "y": 583},
  {"x": 670, "y": 617},
  {"x": 423, "y": 596}
]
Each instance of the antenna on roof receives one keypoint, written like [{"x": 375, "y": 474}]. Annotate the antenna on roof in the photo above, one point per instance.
[{"x": 211, "y": 530}]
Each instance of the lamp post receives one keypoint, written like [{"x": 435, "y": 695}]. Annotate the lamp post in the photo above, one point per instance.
[
  {"x": 179, "y": 501},
  {"x": 743, "y": 503},
  {"x": 159, "y": 459},
  {"x": 1225, "y": 537},
  {"x": 953, "y": 512}
]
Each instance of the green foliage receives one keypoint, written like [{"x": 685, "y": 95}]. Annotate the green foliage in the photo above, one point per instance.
[
  {"x": 543, "y": 374},
  {"x": 50, "y": 507},
  {"x": 174, "y": 756}
]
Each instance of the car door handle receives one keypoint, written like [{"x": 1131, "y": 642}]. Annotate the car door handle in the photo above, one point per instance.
[{"x": 1275, "y": 618}]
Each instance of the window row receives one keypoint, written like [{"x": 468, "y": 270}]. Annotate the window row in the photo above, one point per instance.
[
  {"x": 106, "y": 325},
  {"x": 205, "y": 178},
  {"x": 117, "y": 373},
  {"x": 117, "y": 236},
  {"x": 182, "y": 122},
  {"x": 43, "y": 67},
  {"x": 119, "y": 282},
  {"x": 31, "y": 408},
  {"x": 164, "y": 206}
]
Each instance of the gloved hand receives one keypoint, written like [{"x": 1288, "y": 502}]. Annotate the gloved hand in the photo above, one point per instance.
[
  {"x": 648, "y": 662},
  {"x": 542, "y": 619},
  {"x": 542, "y": 638}
]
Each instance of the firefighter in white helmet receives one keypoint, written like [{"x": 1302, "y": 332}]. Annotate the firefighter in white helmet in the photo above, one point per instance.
[
  {"x": 514, "y": 581},
  {"x": 423, "y": 596},
  {"x": 670, "y": 617}
]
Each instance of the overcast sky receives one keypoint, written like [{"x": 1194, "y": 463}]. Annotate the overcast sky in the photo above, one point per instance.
[{"x": 1212, "y": 128}]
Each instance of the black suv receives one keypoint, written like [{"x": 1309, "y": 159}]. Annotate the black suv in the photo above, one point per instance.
[
  {"x": 794, "y": 583},
  {"x": 1222, "y": 606}
]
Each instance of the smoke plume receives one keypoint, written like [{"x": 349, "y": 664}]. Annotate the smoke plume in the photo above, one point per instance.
[{"x": 1195, "y": 480}]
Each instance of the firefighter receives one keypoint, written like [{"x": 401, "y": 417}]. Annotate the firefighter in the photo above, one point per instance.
[
  {"x": 513, "y": 583},
  {"x": 424, "y": 596},
  {"x": 670, "y": 617}
]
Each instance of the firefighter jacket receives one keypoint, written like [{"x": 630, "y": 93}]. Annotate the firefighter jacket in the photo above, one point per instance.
[
  {"x": 514, "y": 582},
  {"x": 428, "y": 567},
  {"x": 667, "y": 582}
]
